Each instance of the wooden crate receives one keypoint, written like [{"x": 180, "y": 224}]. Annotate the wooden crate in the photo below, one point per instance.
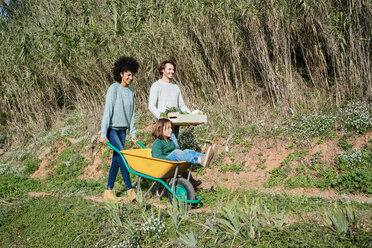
[{"x": 187, "y": 120}]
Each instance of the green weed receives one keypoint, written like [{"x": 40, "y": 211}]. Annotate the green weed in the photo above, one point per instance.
[
  {"x": 247, "y": 144},
  {"x": 300, "y": 181},
  {"x": 261, "y": 163},
  {"x": 218, "y": 160},
  {"x": 236, "y": 168},
  {"x": 17, "y": 186},
  {"x": 344, "y": 144},
  {"x": 69, "y": 165},
  {"x": 31, "y": 165},
  {"x": 277, "y": 176},
  {"x": 341, "y": 220}
]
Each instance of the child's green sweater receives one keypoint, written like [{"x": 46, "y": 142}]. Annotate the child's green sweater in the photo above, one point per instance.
[{"x": 161, "y": 148}]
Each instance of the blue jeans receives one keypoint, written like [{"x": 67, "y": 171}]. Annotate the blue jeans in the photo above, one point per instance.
[
  {"x": 174, "y": 136},
  {"x": 117, "y": 139},
  {"x": 185, "y": 155}
]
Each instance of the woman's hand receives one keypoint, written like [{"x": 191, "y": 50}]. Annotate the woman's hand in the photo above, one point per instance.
[
  {"x": 134, "y": 140},
  {"x": 103, "y": 140}
]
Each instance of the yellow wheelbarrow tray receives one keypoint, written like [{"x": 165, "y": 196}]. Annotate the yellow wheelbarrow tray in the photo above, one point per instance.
[{"x": 140, "y": 162}]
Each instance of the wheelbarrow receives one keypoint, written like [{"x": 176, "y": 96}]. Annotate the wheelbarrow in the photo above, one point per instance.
[{"x": 163, "y": 172}]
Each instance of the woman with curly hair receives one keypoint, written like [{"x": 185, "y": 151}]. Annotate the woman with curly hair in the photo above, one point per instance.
[{"x": 118, "y": 117}]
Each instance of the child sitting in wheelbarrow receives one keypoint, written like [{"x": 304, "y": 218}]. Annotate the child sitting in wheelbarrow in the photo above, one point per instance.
[{"x": 164, "y": 148}]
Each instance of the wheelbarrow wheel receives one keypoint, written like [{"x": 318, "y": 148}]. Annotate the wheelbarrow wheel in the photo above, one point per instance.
[{"x": 183, "y": 190}]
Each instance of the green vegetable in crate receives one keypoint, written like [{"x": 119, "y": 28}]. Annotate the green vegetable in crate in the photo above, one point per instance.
[{"x": 170, "y": 110}]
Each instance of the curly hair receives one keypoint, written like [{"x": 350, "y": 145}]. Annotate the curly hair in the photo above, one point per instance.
[
  {"x": 159, "y": 126},
  {"x": 124, "y": 64},
  {"x": 162, "y": 66}
]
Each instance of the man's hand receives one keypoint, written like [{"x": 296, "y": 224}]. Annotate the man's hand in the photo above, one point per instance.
[{"x": 103, "y": 140}]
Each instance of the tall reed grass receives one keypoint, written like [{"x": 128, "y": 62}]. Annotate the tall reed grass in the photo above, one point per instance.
[{"x": 58, "y": 55}]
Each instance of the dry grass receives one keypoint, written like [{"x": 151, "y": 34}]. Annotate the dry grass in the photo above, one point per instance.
[{"x": 58, "y": 55}]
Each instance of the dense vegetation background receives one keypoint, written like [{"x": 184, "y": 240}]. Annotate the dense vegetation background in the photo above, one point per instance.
[
  {"x": 58, "y": 55},
  {"x": 248, "y": 64}
]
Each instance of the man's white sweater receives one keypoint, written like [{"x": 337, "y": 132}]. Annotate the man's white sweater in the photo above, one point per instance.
[{"x": 165, "y": 95}]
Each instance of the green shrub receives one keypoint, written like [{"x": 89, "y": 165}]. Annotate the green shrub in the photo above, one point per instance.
[
  {"x": 70, "y": 164},
  {"x": 357, "y": 116},
  {"x": 248, "y": 219},
  {"x": 311, "y": 126},
  {"x": 3, "y": 139},
  {"x": 328, "y": 173},
  {"x": 344, "y": 144},
  {"x": 277, "y": 176},
  {"x": 355, "y": 181},
  {"x": 187, "y": 139},
  {"x": 31, "y": 165},
  {"x": 300, "y": 181},
  {"x": 8, "y": 169},
  {"x": 353, "y": 159},
  {"x": 314, "y": 174},
  {"x": 19, "y": 155},
  {"x": 341, "y": 220}
]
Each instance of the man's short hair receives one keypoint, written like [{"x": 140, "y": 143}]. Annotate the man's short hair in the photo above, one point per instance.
[{"x": 162, "y": 65}]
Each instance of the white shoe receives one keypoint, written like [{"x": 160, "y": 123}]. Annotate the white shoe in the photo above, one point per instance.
[{"x": 208, "y": 156}]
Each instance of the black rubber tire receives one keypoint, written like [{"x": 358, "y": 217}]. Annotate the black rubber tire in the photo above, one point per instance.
[{"x": 187, "y": 186}]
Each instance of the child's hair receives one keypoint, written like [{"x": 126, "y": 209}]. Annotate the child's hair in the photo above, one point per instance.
[{"x": 159, "y": 126}]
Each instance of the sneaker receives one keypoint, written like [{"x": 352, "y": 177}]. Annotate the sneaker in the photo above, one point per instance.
[
  {"x": 206, "y": 159},
  {"x": 213, "y": 153},
  {"x": 131, "y": 195}
]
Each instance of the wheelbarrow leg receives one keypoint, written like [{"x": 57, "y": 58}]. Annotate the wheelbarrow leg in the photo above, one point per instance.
[
  {"x": 189, "y": 174},
  {"x": 174, "y": 179},
  {"x": 160, "y": 189},
  {"x": 152, "y": 185},
  {"x": 139, "y": 185}
]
